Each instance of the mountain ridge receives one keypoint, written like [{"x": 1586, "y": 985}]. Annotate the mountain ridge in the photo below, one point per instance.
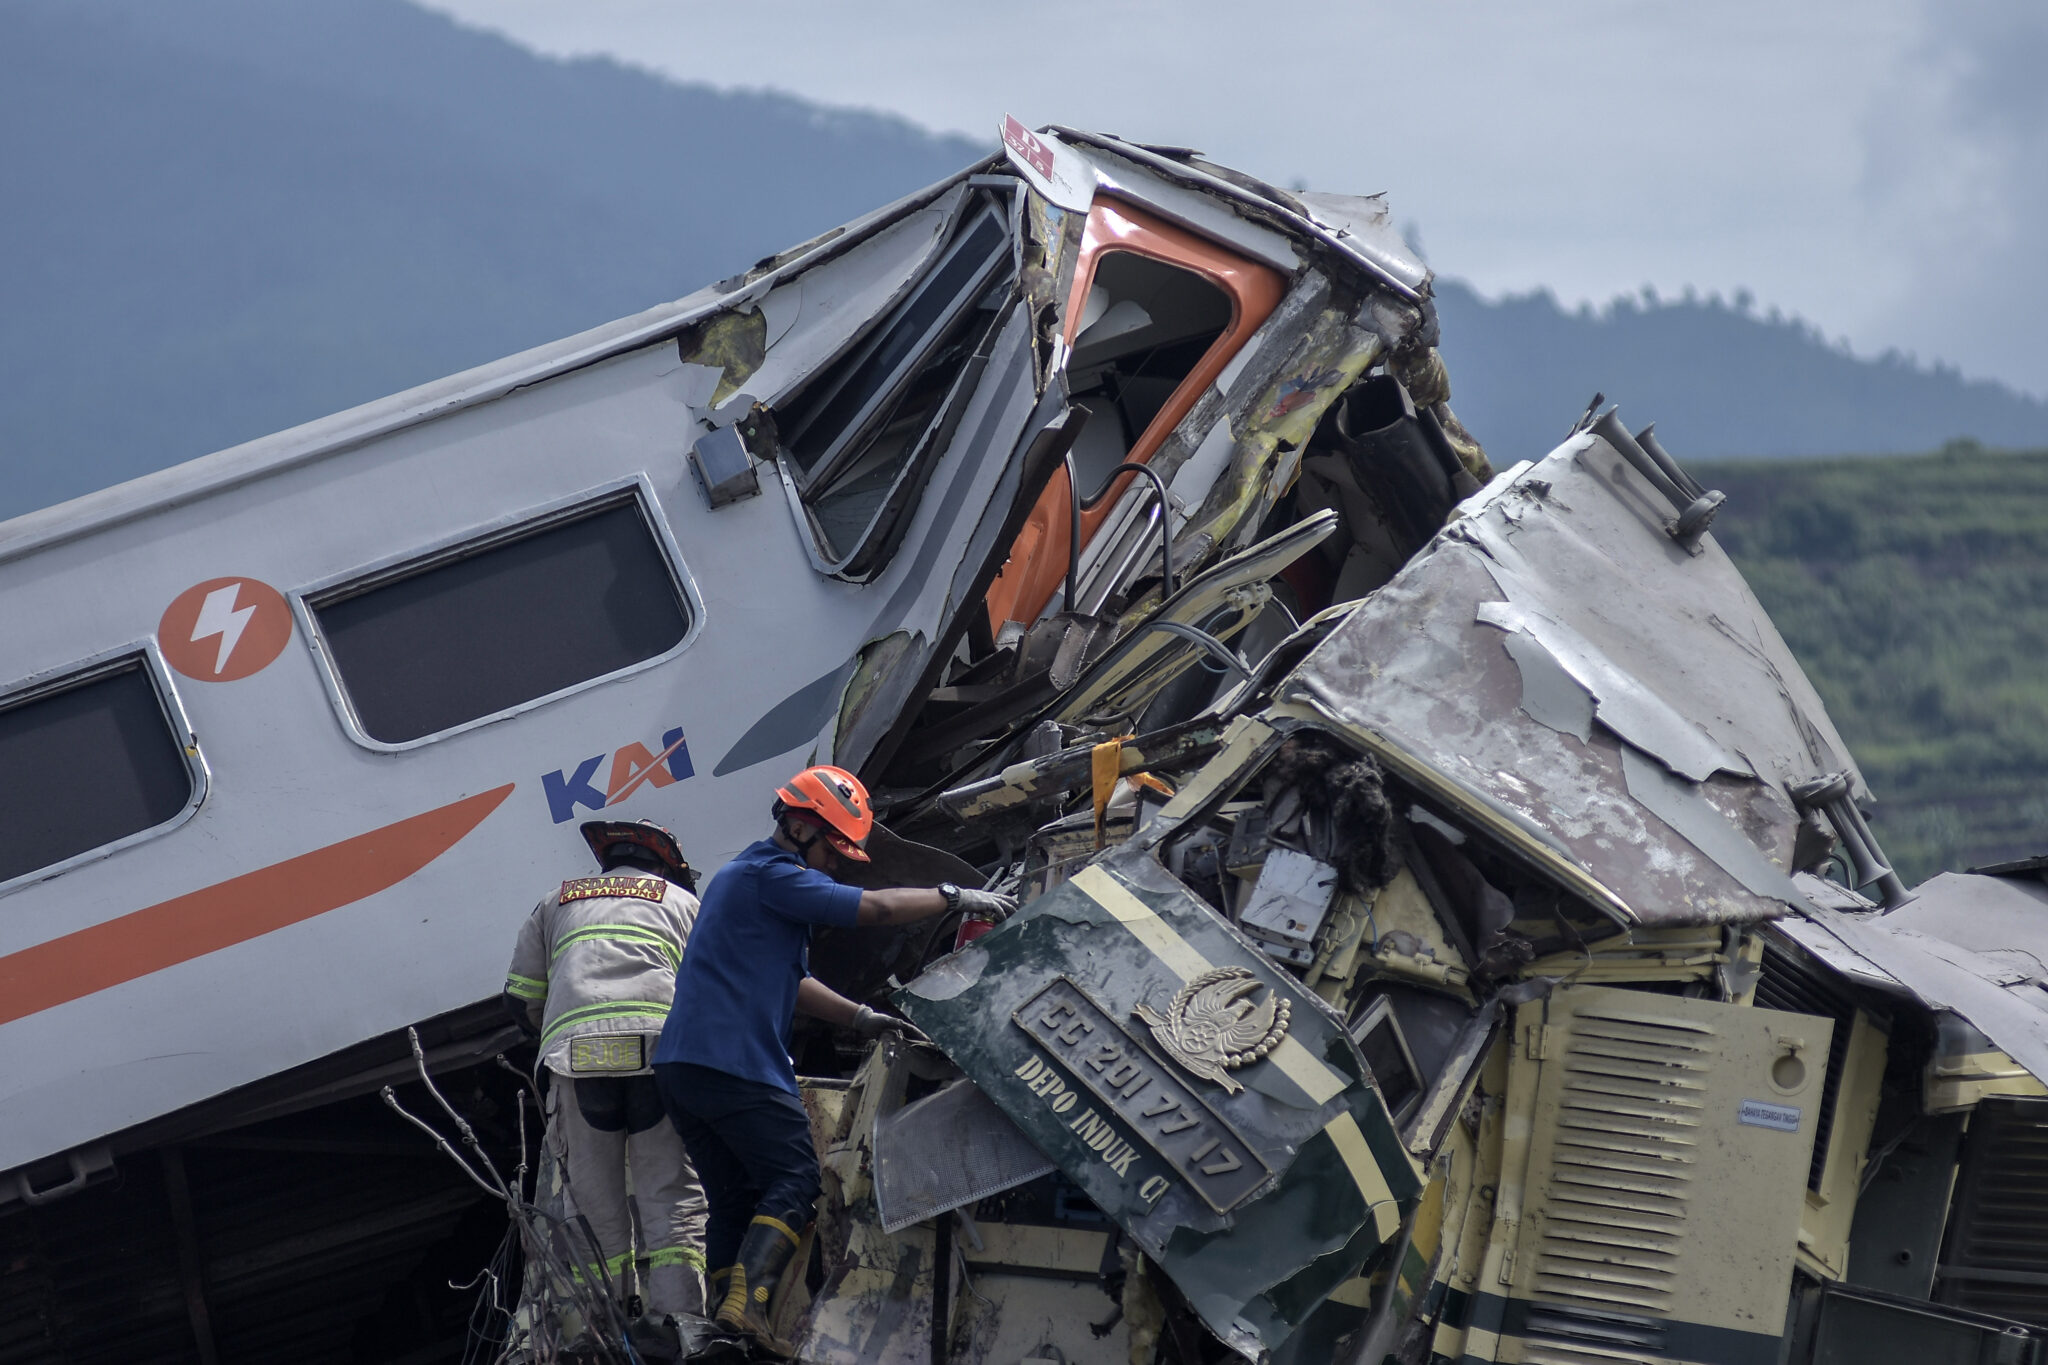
[
  {"x": 246, "y": 219},
  {"x": 232, "y": 216},
  {"x": 1720, "y": 380}
]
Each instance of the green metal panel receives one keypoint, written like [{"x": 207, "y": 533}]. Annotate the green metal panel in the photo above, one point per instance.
[
  {"x": 1899, "y": 1216},
  {"x": 1856, "y": 1327},
  {"x": 1043, "y": 1015}
]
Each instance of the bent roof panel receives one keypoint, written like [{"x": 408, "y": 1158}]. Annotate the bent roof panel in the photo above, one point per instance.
[
  {"x": 1974, "y": 944},
  {"x": 1568, "y": 667}
]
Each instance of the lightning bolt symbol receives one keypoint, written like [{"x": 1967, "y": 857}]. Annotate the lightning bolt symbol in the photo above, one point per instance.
[{"x": 218, "y": 616}]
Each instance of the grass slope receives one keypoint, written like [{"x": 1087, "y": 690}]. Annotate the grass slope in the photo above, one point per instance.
[{"x": 1914, "y": 590}]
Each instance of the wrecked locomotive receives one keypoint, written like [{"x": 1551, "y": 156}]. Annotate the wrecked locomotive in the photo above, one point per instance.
[{"x": 1427, "y": 954}]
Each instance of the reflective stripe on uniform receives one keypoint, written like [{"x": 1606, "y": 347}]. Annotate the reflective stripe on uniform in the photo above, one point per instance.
[
  {"x": 620, "y": 933},
  {"x": 526, "y": 987},
  {"x": 610, "y": 1009},
  {"x": 614, "y": 1266}
]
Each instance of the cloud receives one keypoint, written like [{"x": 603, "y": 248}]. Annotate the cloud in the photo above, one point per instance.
[
  {"x": 1956, "y": 176},
  {"x": 1873, "y": 165}
]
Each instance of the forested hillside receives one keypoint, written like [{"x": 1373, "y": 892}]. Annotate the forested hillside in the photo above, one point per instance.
[
  {"x": 1915, "y": 592},
  {"x": 1718, "y": 377}
]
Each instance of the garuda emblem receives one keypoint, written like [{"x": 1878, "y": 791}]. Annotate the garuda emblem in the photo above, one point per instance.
[{"x": 1215, "y": 1024}]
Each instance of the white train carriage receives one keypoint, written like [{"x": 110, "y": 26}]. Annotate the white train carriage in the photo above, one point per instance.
[{"x": 292, "y": 735}]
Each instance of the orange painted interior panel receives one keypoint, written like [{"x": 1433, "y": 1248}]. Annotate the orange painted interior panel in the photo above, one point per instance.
[{"x": 1038, "y": 558}]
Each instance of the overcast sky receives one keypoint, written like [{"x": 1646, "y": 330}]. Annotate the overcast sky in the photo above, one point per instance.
[{"x": 1879, "y": 167}]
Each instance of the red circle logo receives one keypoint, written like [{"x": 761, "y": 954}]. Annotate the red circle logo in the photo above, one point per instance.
[{"x": 224, "y": 629}]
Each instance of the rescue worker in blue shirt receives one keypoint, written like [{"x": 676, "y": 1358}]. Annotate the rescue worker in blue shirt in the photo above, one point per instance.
[{"x": 723, "y": 1064}]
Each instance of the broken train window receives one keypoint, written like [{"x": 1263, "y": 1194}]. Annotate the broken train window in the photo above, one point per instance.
[
  {"x": 1155, "y": 315},
  {"x": 1145, "y": 325},
  {"x": 859, "y": 440}
]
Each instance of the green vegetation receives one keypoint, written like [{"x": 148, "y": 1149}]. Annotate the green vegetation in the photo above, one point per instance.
[{"x": 1914, "y": 590}]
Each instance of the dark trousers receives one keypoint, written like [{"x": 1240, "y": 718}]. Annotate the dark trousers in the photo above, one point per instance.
[{"x": 751, "y": 1145}]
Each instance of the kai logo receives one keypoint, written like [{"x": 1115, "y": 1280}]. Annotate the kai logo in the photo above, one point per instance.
[
  {"x": 224, "y": 629},
  {"x": 633, "y": 767}
]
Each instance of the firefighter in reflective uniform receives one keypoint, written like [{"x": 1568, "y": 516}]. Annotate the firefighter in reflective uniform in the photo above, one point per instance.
[
  {"x": 723, "y": 1064},
  {"x": 593, "y": 974}
]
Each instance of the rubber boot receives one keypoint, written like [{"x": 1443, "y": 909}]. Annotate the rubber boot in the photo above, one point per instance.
[
  {"x": 764, "y": 1255},
  {"x": 718, "y": 1281}
]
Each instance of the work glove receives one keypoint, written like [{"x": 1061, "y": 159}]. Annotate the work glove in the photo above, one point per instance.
[
  {"x": 870, "y": 1024},
  {"x": 989, "y": 905}
]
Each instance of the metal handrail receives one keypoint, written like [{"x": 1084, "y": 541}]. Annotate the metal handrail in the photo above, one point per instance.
[{"x": 1078, "y": 504}]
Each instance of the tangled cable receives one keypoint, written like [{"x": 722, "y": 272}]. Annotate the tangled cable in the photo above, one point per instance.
[{"x": 551, "y": 1246}]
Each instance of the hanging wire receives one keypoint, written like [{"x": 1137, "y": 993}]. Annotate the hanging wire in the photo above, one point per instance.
[
  {"x": 1078, "y": 504},
  {"x": 391, "y": 1099},
  {"x": 1223, "y": 653},
  {"x": 552, "y": 1246},
  {"x": 469, "y": 1138}
]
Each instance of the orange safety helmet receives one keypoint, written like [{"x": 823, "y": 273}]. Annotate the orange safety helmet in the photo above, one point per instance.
[{"x": 836, "y": 800}]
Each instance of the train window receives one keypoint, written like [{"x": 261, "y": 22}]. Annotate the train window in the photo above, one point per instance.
[
  {"x": 1379, "y": 1038},
  {"x": 84, "y": 763},
  {"x": 487, "y": 627},
  {"x": 858, "y": 436}
]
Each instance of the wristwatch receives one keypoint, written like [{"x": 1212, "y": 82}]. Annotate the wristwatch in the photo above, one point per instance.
[{"x": 952, "y": 895}]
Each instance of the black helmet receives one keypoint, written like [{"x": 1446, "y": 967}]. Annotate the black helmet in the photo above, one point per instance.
[{"x": 609, "y": 838}]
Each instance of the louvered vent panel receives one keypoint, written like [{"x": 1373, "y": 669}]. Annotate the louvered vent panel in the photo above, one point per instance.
[
  {"x": 1558, "y": 1335},
  {"x": 1786, "y": 983},
  {"x": 1998, "y": 1227},
  {"x": 1621, "y": 1178}
]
